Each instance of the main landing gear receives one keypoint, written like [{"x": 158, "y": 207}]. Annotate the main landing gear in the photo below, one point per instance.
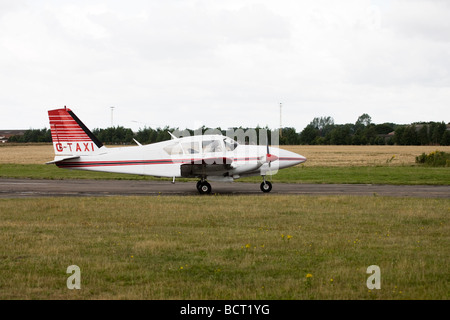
[
  {"x": 203, "y": 187},
  {"x": 265, "y": 186}
]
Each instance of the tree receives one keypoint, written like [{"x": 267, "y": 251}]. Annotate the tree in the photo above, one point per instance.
[
  {"x": 438, "y": 131},
  {"x": 445, "y": 141},
  {"x": 370, "y": 133},
  {"x": 422, "y": 136},
  {"x": 323, "y": 124},
  {"x": 398, "y": 135},
  {"x": 364, "y": 120},
  {"x": 340, "y": 135},
  {"x": 384, "y": 128},
  {"x": 33, "y": 135},
  {"x": 409, "y": 136},
  {"x": 114, "y": 135},
  {"x": 289, "y": 137},
  {"x": 309, "y": 134}
]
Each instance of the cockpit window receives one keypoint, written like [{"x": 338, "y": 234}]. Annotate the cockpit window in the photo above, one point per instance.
[{"x": 230, "y": 144}]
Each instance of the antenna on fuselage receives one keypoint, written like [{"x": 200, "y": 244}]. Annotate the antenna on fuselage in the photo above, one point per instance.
[
  {"x": 173, "y": 137},
  {"x": 140, "y": 145}
]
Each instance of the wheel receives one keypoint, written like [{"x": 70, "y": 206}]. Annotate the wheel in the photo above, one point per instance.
[
  {"x": 204, "y": 187},
  {"x": 266, "y": 186},
  {"x": 199, "y": 183}
]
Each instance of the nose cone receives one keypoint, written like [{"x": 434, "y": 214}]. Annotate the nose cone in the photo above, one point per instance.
[{"x": 289, "y": 159}]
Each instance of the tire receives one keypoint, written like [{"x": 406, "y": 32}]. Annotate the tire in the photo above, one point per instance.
[
  {"x": 266, "y": 186},
  {"x": 204, "y": 188}
]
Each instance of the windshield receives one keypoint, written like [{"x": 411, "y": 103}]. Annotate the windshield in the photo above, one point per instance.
[{"x": 230, "y": 144}]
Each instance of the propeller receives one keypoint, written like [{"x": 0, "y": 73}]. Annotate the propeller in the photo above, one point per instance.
[{"x": 270, "y": 157}]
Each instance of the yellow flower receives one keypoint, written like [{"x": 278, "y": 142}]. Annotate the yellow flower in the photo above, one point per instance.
[
  {"x": 247, "y": 245},
  {"x": 289, "y": 237},
  {"x": 309, "y": 275}
]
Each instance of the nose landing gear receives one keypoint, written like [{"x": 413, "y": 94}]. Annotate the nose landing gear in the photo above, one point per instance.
[{"x": 265, "y": 186}]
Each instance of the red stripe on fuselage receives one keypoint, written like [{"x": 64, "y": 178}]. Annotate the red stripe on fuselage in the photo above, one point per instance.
[{"x": 89, "y": 164}]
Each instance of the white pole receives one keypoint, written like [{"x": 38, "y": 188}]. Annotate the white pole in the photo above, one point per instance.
[
  {"x": 112, "y": 117},
  {"x": 281, "y": 126}
]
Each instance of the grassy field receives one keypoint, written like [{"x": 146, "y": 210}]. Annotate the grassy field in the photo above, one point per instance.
[
  {"x": 231, "y": 247},
  {"x": 326, "y": 164},
  {"x": 225, "y": 247}
]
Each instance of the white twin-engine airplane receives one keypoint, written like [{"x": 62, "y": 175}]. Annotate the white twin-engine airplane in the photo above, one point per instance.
[{"x": 212, "y": 157}]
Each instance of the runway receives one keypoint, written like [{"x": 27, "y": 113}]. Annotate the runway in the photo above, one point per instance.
[{"x": 26, "y": 188}]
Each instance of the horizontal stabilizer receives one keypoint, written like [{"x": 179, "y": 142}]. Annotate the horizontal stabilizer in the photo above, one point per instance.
[{"x": 62, "y": 159}]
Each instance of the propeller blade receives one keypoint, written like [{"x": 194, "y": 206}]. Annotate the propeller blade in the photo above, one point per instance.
[{"x": 270, "y": 157}]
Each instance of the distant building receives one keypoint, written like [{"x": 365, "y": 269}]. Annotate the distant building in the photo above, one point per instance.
[{"x": 6, "y": 134}]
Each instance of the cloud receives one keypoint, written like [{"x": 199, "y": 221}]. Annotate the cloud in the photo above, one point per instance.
[{"x": 183, "y": 63}]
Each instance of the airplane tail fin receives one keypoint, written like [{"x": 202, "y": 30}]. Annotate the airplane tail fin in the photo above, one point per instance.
[{"x": 70, "y": 136}]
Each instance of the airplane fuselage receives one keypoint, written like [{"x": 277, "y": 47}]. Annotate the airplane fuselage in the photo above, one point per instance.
[{"x": 157, "y": 159}]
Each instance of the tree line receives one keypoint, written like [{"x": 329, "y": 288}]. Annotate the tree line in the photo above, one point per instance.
[
  {"x": 323, "y": 131},
  {"x": 320, "y": 131}
]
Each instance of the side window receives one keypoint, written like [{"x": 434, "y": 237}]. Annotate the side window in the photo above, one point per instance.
[
  {"x": 211, "y": 146},
  {"x": 191, "y": 147},
  {"x": 173, "y": 149}
]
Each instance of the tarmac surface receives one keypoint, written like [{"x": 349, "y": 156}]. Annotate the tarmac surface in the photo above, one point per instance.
[{"x": 27, "y": 188}]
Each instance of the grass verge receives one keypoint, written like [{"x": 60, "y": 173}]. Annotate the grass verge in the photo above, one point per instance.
[{"x": 221, "y": 247}]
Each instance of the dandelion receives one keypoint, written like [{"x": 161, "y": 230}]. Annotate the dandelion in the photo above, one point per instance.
[
  {"x": 308, "y": 281},
  {"x": 247, "y": 245}
]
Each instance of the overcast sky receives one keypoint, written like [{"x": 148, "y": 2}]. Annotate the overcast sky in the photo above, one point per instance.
[{"x": 187, "y": 63}]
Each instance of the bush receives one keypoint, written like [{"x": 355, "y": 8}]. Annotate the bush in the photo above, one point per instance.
[{"x": 434, "y": 159}]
